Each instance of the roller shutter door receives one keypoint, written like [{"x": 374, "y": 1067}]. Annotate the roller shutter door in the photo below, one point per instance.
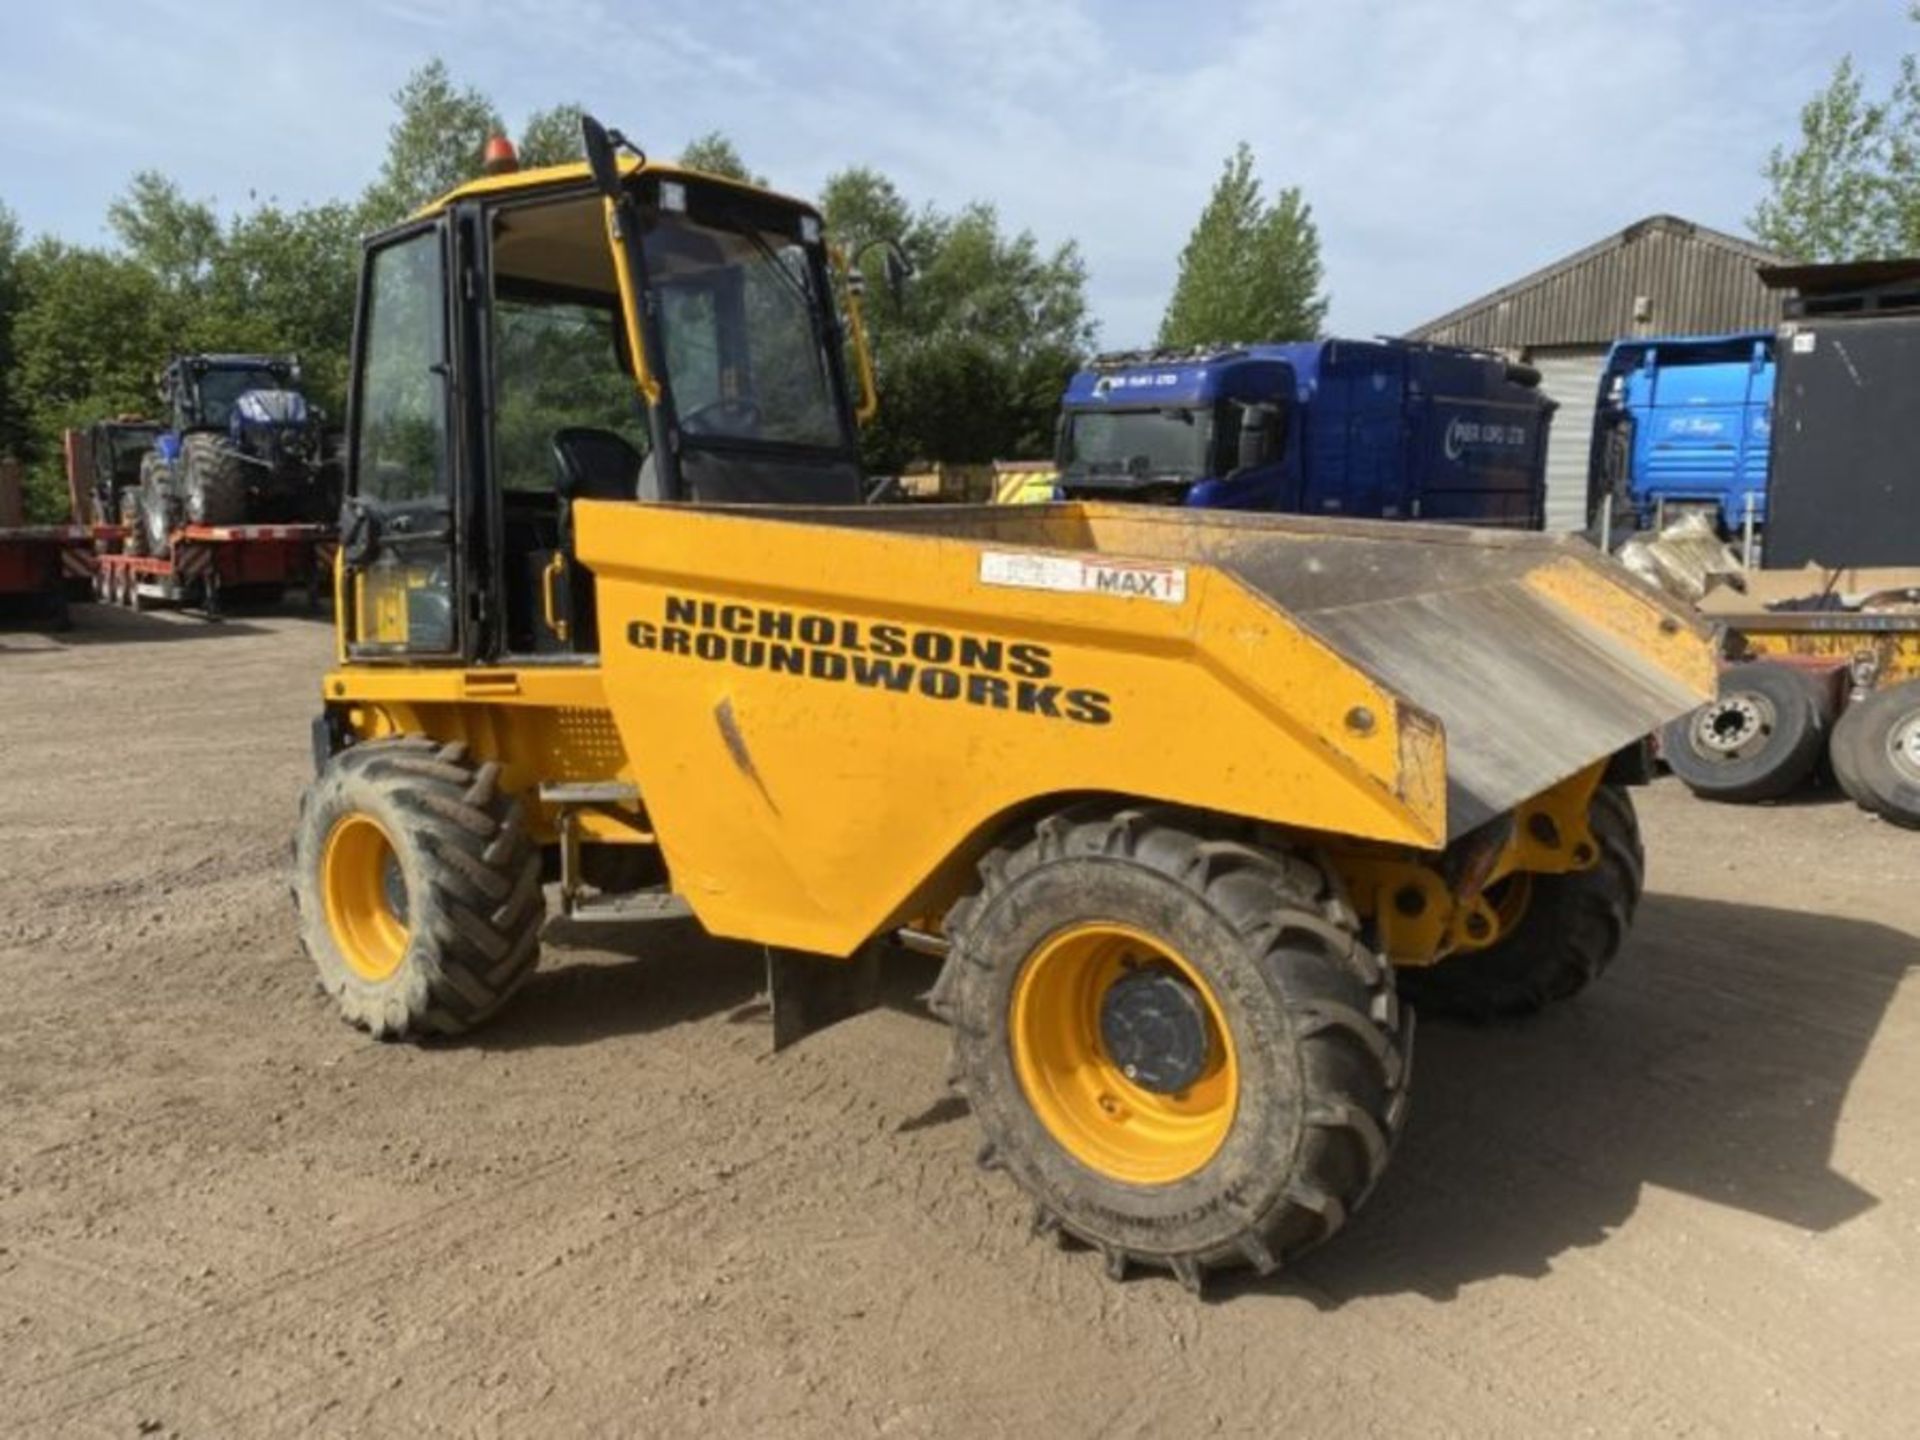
[{"x": 1572, "y": 377}]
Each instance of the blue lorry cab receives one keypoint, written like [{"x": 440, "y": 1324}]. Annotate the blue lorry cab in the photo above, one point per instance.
[
  {"x": 1387, "y": 429},
  {"x": 1685, "y": 422}
]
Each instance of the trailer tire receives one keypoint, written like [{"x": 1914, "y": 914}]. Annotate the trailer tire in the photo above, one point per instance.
[
  {"x": 1285, "y": 1032},
  {"x": 1573, "y": 926},
  {"x": 213, "y": 482},
  {"x": 1757, "y": 740},
  {"x": 418, "y": 887},
  {"x": 1876, "y": 753}
]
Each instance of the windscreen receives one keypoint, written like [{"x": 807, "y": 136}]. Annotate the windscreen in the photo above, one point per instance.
[
  {"x": 740, "y": 324},
  {"x": 1141, "y": 443},
  {"x": 219, "y": 389}
]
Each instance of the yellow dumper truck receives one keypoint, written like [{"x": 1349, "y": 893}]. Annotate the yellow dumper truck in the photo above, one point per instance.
[{"x": 1177, "y": 794}]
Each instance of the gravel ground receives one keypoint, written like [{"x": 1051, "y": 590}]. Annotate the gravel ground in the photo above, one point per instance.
[{"x": 1688, "y": 1203}]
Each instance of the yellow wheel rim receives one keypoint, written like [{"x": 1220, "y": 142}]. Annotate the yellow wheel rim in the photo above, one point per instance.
[
  {"x": 1112, "y": 1125},
  {"x": 365, "y": 896}
]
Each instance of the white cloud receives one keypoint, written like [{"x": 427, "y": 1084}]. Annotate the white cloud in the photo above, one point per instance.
[{"x": 1445, "y": 147}]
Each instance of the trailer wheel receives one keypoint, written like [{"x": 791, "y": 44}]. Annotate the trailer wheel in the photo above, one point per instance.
[
  {"x": 1757, "y": 740},
  {"x": 1564, "y": 933},
  {"x": 1876, "y": 753},
  {"x": 418, "y": 887},
  {"x": 1174, "y": 1042}
]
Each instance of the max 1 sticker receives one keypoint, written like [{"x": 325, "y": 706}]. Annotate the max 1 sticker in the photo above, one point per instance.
[{"x": 1075, "y": 574}]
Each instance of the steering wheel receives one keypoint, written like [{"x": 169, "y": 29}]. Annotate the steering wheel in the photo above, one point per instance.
[{"x": 739, "y": 415}]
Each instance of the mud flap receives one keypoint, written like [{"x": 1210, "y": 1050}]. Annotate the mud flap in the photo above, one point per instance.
[{"x": 810, "y": 992}]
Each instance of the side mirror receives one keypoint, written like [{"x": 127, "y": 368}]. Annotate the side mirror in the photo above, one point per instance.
[
  {"x": 599, "y": 143},
  {"x": 899, "y": 269},
  {"x": 1259, "y": 435},
  {"x": 899, "y": 272}
]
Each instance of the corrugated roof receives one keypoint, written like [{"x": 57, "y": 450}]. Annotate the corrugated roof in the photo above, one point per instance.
[{"x": 1694, "y": 279}]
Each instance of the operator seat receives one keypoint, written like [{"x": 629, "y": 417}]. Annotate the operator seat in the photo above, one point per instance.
[{"x": 591, "y": 464}]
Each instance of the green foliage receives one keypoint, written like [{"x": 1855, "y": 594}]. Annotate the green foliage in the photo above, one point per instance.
[
  {"x": 175, "y": 238},
  {"x": 970, "y": 368},
  {"x": 971, "y": 365},
  {"x": 13, "y": 429},
  {"x": 1848, "y": 188},
  {"x": 1833, "y": 196},
  {"x": 551, "y": 137},
  {"x": 434, "y": 145},
  {"x": 715, "y": 154},
  {"x": 1250, "y": 270}
]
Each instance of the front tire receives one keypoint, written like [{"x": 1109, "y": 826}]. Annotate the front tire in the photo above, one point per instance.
[
  {"x": 1571, "y": 927},
  {"x": 1175, "y": 1043},
  {"x": 418, "y": 887},
  {"x": 213, "y": 482}
]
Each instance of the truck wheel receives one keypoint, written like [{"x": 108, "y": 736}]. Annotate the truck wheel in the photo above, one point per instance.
[
  {"x": 1563, "y": 933},
  {"x": 213, "y": 481},
  {"x": 418, "y": 887},
  {"x": 1876, "y": 753},
  {"x": 1176, "y": 1044},
  {"x": 1757, "y": 740}
]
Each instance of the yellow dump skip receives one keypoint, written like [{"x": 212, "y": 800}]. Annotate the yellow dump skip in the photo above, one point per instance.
[{"x": 825, "y": 707}]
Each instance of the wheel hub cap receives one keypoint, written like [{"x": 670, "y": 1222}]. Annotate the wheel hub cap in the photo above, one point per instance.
[
  {"x": 1728, "y": 725},
  {"x": 1154, "y": 1026},
  {"x": 1903, "y": 745}
]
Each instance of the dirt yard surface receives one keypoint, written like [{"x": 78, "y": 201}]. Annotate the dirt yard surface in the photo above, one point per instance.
[{"x": 1688, "y": 1203}]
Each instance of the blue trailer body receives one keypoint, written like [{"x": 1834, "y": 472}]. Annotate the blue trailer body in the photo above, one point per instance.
[
  {"x": 1685, "y": 421},
  {"x": 1374, "y": 428}
]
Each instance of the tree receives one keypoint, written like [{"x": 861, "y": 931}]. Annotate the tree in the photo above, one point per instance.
[
  {"x": 552, "y": 137},
  {"x": 177, "y": 239},
  {"x": 434, "y": 145},
  {"x": 1829, "y": 197},
  {"x": 89, "y": 338},
  {"x": 971, "y": 366},
  {"x": 715, "y": 154},
  {"x": 1250, "y": 270},
  {"x": 12, "y": 420}
]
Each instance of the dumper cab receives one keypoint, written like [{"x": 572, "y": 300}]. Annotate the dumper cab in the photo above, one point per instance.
[
  {"x": 1380, "y": 429},
  {"x": 477, "y": 427}
]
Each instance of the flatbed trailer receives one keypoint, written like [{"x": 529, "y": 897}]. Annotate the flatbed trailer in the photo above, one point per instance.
[
  {"x": 208, "y": 563},
  {"x": 36, "y": 563}
]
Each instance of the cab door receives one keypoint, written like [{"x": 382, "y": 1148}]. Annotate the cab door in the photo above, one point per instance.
[{"x": 398, "y": 553}]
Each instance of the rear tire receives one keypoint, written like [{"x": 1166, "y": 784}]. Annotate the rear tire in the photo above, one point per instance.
[
  {"x": 1876, "y": 753},
  {"x": 418, "y": 887},
  {"x": 1757, "y": 740},
  {"x": 1291, "y": 1045},
  {"x": 1573, "y": 926}
]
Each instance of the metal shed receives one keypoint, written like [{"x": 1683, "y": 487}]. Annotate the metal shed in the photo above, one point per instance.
[{"x": 1660, "y": 276}]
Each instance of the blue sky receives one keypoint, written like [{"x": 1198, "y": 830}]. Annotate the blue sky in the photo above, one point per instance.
[{"x": 1445, "y": 147}]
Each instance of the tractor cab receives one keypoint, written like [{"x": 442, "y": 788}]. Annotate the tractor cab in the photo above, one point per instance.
[{"x": 616, "y": 330}]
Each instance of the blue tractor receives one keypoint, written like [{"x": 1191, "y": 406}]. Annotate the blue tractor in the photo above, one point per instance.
[
  {"x": 1388, "y": 429},
  {"x": 241, "y": 446}
]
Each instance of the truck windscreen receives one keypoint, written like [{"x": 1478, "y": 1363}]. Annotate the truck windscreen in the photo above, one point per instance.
[{"x": 1141, "y": 443}]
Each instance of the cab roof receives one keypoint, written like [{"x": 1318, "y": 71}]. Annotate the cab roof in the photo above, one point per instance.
[{"x": 576, "y": 173}]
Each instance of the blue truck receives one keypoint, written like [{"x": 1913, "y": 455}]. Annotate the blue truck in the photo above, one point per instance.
[
  {"x": 1387, "y": 429},
  {"x": 1684, "y": 422}
]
